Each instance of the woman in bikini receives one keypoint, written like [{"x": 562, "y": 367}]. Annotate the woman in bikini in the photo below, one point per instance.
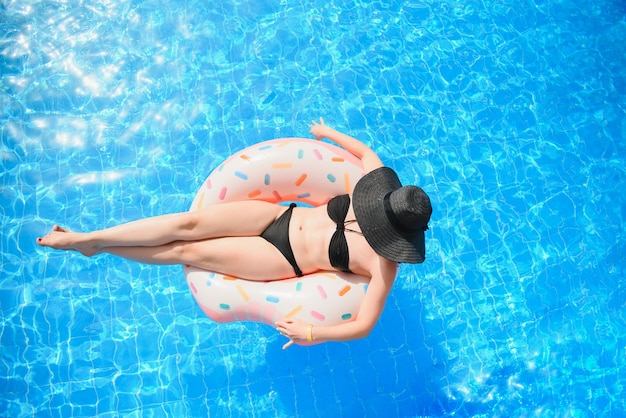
[{"x": 368, "y": 233}]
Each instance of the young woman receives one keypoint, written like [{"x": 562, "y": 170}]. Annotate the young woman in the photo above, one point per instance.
[{"x": 368, "y": 233}]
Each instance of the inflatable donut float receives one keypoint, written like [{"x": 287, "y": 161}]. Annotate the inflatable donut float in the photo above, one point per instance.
[{"x": 287, "y": 170}]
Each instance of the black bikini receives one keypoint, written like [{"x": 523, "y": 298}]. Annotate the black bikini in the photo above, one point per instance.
[
  {"x": 338, "y": 249},
  {"x": 277, "y": 234}
]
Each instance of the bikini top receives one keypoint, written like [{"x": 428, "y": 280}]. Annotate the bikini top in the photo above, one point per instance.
[{"x": 337, "y": 209}]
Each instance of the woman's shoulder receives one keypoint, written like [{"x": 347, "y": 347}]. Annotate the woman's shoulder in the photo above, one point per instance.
[{"x": 384, "y": 270}]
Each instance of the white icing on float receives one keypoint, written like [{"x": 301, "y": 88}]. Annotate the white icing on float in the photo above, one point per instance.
[{"x": 281, "y": 170}]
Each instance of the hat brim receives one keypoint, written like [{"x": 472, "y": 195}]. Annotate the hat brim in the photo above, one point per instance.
[{"x": 368, "y": 202}]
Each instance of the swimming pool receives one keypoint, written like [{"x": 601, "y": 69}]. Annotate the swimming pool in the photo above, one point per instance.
[{"x": 510, "y": 114}]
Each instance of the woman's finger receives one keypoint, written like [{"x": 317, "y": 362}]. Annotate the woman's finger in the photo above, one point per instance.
[{"x": 289, "y": 344}]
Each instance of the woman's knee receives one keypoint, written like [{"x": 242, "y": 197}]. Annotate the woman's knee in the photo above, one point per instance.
[
  {"x": 197, "y": 253},
  {"x": 182, "y": 252},
  {"x": 187, "y": 222}
]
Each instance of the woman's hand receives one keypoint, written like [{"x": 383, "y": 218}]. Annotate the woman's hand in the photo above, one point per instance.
[
  {"x": 320, "y": 130},
  {"x": 292, "y": 328}
]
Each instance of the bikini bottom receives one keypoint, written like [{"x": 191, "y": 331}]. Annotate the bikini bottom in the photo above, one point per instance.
[{"x": 277, "y": 234}]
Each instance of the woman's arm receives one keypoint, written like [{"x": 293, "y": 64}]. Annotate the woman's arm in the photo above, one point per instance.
[
  {"x": 383, "y": 276},
  {"x": 368, "y": 157}
]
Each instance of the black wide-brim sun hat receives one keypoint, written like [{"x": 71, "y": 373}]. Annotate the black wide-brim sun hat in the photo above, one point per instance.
[{"x": 392, "y": 217}]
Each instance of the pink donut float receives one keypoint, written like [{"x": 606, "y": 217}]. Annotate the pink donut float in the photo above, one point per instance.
[{"x": 280, "y": 170}]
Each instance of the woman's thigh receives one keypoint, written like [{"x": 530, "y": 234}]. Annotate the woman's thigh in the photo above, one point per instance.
[
  {"x": 251, "y": 258},
  {"x": 236, "y": 219}
]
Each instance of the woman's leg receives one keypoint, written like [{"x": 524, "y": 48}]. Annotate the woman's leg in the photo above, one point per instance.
[
  {"x": 251, "y": 258},
  {"x": 247, "y": 218}
]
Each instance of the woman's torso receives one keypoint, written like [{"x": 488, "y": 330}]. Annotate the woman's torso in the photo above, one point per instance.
[{"x": 310, "y": 232}]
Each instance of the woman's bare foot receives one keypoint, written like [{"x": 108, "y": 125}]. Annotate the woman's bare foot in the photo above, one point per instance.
[{"x": 64, "y": 239}]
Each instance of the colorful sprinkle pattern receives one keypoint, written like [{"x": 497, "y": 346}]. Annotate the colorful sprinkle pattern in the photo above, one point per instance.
[{"x": 287, "y": 170}]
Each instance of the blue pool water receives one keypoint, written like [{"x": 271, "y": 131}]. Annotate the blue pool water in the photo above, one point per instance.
[{"x": 511, "y": 114}]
